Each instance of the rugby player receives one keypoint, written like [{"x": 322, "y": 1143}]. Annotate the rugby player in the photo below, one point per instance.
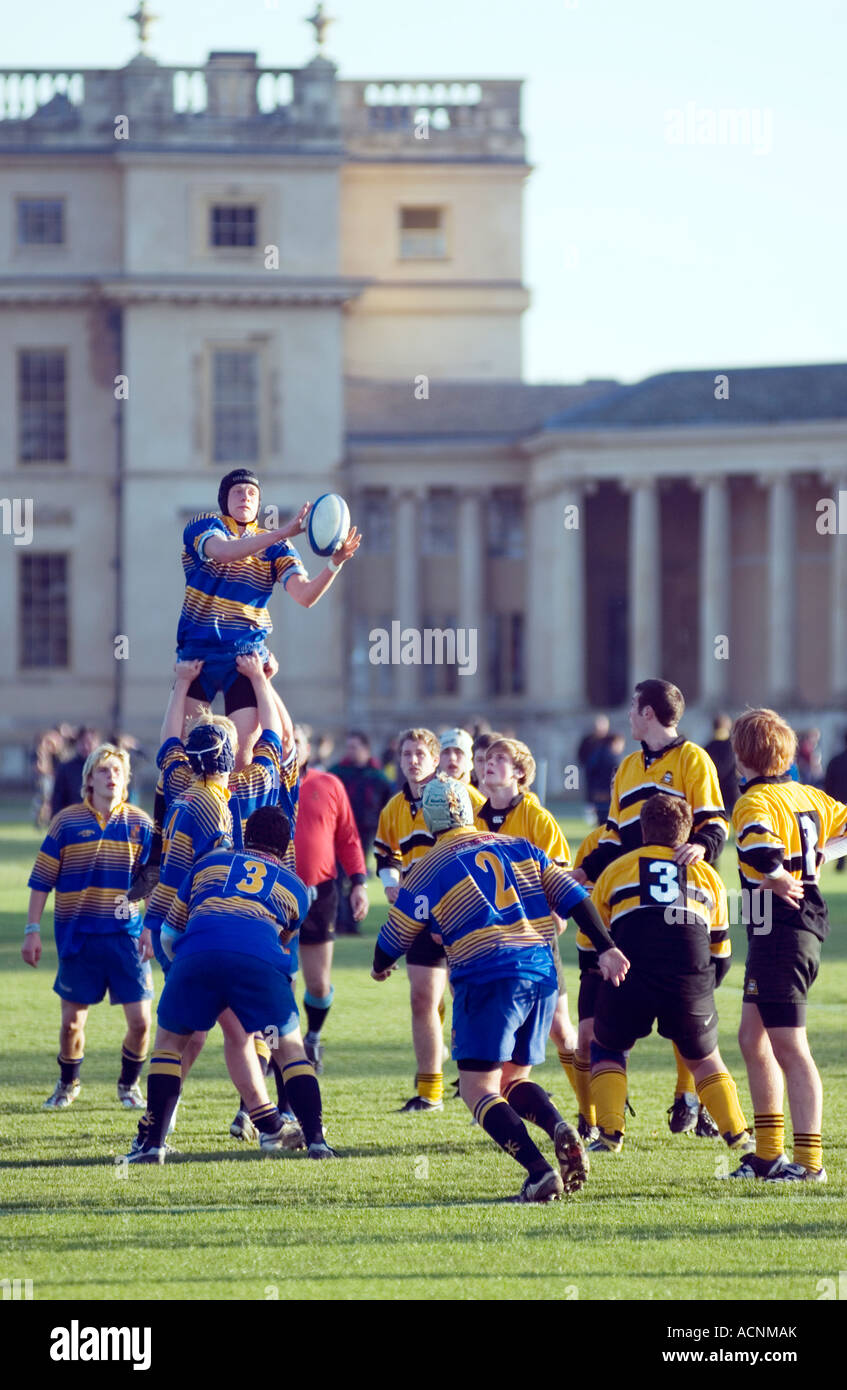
[
  {"x": 488, "y": 899},
  {"x": 231, "y": 566},
  {"x": 231, "y": 929},
  {"x": 781, "y": 829},
  {"x": 668, "y": 763},
  {"x": 670, "y": 919},
  {"x": 90, "y": 855}
]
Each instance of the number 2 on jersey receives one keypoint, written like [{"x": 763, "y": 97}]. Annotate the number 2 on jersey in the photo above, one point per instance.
[{"x": 504, "y": 895}]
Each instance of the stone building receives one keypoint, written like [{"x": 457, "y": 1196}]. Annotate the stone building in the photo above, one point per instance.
[{"x": 233, "y": 264}]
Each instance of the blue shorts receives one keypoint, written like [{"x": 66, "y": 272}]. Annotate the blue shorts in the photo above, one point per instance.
[
  {"x": 105, "y": 962},
  {"x": 204, "y": 983},
  {"x": 504, "y": 1020},
  {"x": 156, "y": 938},
  {"x": 219, "y": 668}
]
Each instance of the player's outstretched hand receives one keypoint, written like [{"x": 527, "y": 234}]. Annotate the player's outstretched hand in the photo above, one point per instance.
[
  {"x": 31, "y": 949},
  {"x": 349, "y": 548},
  {"x": 145, "y": 944},
  {"x": 613, "y": 965},
  {"x": 249, "y": 664},
  {"x": 271, "y": 666},
  {"x": 297, "y": 525},
  {"x": 188, "y": 671}
]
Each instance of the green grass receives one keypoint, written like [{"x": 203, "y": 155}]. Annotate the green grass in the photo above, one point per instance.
[{"x": 416, "y": 1208}]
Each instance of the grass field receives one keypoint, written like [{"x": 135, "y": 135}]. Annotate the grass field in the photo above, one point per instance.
[{"x": 416, "y": 1209}]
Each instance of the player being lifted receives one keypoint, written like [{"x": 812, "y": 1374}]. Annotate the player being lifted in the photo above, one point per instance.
[
  {"x": 512, "y": 809},
  {"x": 670, "y": 920},
  {"x": 673, "y": 764},
  {"x": 231, "y": 929},
  {"x": 488, "y": 899},
  {"x": 231, "y": 565},
  {"x": 781, "y": 829},
  {"x": 90, "y": 855}
]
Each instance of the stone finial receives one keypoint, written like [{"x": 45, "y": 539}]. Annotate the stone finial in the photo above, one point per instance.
[
  {"x": 143, "y": 20},
  {"x": 320, "y": 22}
]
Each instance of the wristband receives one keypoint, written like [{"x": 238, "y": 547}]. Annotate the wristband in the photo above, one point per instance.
[
  {"x": 390, "y": 878},
  {"x": 31, "y": 927}
]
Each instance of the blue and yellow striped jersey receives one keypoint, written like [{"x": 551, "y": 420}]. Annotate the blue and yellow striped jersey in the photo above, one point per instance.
[
  {"x": 91, "y": 862},
  {"x": 489, "y": 898},
  {"x": 239, "y": 902},
  {"x": 226, "y": 602},
  {"x": 194, "y": 821},
  {"x": 668, "y": 918}
]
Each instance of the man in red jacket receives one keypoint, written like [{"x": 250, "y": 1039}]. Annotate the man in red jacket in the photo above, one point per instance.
[{"x": 325, "y": 835}]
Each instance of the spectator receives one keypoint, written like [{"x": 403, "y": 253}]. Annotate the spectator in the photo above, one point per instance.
[
  {"x": 603, "y": 763},
  {"x": 67, "y": 788},
  {"x": 809, "y": 762},
  {"x": 590, "y": 743},
  {"x": 835, "y": 785},
  {"x": 368, "y": 789},
  {"x": 48, "y": 750},
  {"x": 719, "y": 749}
]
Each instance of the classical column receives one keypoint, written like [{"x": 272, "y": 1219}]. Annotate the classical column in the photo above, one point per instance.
[
  {"x": 471, "y": 600},
  {"x": 838, "y": 595},
  {"x": 404, "y": 605},
  {"x": 566, "y": 601},
  {"x": 781, "y": 592},
  {"x": 645, "y": 580},
  {"x": 714, "y": 588}
]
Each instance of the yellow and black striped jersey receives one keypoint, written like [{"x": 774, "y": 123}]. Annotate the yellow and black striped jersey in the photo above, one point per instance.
[
  {"x": 779, "y": 823},
  {"x": 681, "y": 769},
  {"x": 672, "y": 916},
  {"x": 401, "y": 834},
  {"x": 527, "y": 819}
]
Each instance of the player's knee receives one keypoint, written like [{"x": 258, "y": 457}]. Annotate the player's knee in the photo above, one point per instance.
[
  {"x": 791, "y": 1046},
  {"x": 607, "y": 1055},
  {"x": 424, "y": 1001}
]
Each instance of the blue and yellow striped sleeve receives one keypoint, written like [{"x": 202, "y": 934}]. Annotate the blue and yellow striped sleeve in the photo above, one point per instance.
[
  {"x": 175, "y": 768},
  {"x": 406, "y": 919},
  {"x": 562, "y": 891},
  {"x": 197, "y": 532},
  {"x": 45, "y": 870},
  {"x": 285, "y": 562}
]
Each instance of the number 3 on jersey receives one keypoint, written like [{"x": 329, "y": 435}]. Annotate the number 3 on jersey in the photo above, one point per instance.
[
  {"x": 251, "y": 877},
  {"x": 662, "y": 882}
]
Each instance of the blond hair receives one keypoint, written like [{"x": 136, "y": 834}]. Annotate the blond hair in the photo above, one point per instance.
[
  {"x": 219, "y": 720},
  {"x": 521, "y": 757},
  {"x": 420, "y": 736},
  {"x": 764, "y": 742},
  {"x": 103, "y": 754}
]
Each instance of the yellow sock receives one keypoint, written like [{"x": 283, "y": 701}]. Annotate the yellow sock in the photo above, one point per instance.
[
  {"x": 808, "y": 1151},
  {"x": 442, "y": 1009},
  {"x": 770, "y": 1135},
  {"x": 720, "y": 1097},
  {"x": 262, "y": 1049},
  {"x": 566, "y": 1057},
  {"x": 582, "y": 1086},
  {"x": 684, "y": 1079},
  {"x": 431, "y": 1085},
  {"x": 608, "y": 1092}
]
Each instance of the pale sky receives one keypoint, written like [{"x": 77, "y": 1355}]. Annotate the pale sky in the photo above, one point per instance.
[{"x": 652, "y": 243}]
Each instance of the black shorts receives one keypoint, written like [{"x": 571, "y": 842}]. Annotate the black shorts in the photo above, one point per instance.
[
  {"x": 425, "y": 951},
  {"x": 589, "y": 982},
  {"x": 319, "y": 925},
  {"x": 240, "y": 694},
  {"x": 781, "y": 968},
  {"x": 628, "y": 1012}
]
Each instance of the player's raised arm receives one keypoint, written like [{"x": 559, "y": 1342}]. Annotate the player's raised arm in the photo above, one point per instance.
[
  {"x": 173, "y": 723},
  {"x": 306, "y": 592},
  {"x": 217, "y": 546},
  {"x": 249, "y": 664}
]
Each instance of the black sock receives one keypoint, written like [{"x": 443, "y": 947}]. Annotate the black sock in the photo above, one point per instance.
[
  {"x": 533, "y": 1104},
  {"x": 69, "y": 1068},
  {"x": 304, "y": 1093},
  {"x": 164, "y": 1083},
  {"x": 131, "y": 1064},
  {"x": 509, "y": 1131},
  {"x": 317, "y": 1010},
  {"x": 266, "y": 1119},
  {"x": 281, "y": 1098}
]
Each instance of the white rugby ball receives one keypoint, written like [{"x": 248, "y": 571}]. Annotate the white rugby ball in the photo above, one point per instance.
[{"x": 329, "y": 522}]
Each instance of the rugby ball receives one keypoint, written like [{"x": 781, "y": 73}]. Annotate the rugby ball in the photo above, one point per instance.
[{"x": 329, "y": 522}]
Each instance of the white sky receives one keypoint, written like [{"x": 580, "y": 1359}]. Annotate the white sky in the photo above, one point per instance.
[{"x": 642, "y": 255}]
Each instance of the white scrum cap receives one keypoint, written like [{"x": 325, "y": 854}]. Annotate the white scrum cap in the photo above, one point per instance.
[{"x": 446, "y": 805}]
